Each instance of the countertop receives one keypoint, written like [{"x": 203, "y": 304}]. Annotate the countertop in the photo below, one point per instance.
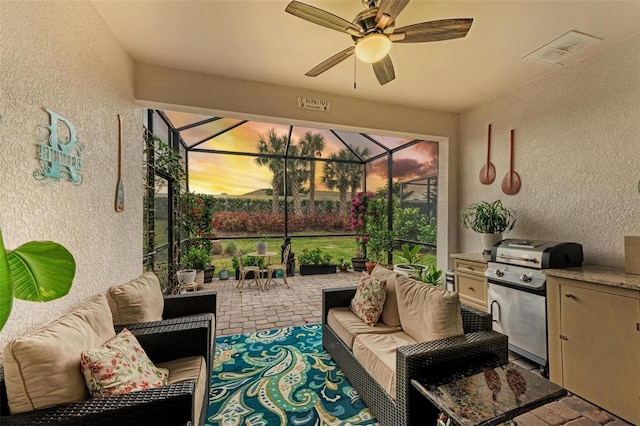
[
  {"x": 604, "y": 275},
  {"x": 472, "y": 257}
]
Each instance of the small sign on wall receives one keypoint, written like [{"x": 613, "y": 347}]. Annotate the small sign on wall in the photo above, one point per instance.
[{"x": 314, "y": 104}]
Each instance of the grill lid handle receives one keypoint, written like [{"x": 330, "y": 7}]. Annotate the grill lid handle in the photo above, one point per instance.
[{"x": 523, "y": 259}]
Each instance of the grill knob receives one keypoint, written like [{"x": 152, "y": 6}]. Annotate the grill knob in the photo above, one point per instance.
[
  {"x": 525, "y": 278},
  {"x": 499, "y": 273}
]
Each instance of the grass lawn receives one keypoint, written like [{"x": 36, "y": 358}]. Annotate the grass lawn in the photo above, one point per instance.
[{"x": 337, "y": 247}]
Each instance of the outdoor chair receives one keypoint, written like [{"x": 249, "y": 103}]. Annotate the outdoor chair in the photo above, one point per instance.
[
  {"x": 244, "y": 270},
  {"x": 43, "y": 382},
  {"x": 272, "y": 269}
]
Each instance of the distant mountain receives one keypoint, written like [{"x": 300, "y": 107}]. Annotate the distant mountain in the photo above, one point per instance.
[
  {"x": 258, "y": 193},
  {"x": 262, "y": 194}
]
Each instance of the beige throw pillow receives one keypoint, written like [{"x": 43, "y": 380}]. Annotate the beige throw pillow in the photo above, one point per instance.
[
  {"x": 120, "y": 366},
  {"x": 139, "y": 300},
  {"x": 369, "y": 299},
  {"x": 428, "y": 312},
  {"x": 390, "y": 315}
]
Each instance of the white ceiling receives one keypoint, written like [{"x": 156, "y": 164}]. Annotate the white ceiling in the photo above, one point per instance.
[{"x": 257, "y": 40}]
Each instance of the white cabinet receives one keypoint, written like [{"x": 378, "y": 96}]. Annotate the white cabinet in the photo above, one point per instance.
[
  {"x": 471, "y": 283},
  {"x": 594, "y": 343}
]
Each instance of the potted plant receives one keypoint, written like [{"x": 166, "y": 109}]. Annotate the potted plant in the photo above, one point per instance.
[
  {"x": 430, "y": 275},
  {"x": 380, "y": 245},
  {"x": 343, "y": 264},
  {"x": 490, "y": 220},
  {"x": 224, "y": 271},
  {"x": 316, "y": 262},
  {"x": 411, "y": 255},
  {"x": 358, "y": 217},
  {"x": 186, "y": 277},
  {"x": 261, "y": 245},
  {"x": 209, "y": 271},
  {"x": 196, "y": 258}
]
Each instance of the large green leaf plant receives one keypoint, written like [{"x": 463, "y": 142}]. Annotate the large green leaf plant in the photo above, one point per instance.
[{"x": 37, "y": 271}]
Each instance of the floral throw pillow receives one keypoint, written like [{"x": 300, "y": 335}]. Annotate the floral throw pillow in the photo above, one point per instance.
[
  {"x": 369, "y": 299},
  {"x": 120, "y": 366}
]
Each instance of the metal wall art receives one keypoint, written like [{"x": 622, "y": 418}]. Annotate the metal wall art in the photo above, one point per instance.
[{"x": 60, "y": 152}]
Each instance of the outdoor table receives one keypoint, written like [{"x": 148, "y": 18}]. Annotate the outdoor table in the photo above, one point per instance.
[
  {"x": 267, "y": 256},
  {"x": 488, "y": 396}
]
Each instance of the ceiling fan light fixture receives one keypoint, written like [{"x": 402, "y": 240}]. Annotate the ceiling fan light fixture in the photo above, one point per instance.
[{"x": 372, "y": 48}]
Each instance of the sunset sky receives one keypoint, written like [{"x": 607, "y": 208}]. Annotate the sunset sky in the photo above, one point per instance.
[{"x": 237, "y": 174}]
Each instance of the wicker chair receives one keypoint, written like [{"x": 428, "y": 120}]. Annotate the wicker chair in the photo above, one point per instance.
[
  {"x": 167, "y": 405},
  {"x": 176, "y": 308},
  {"x": 271, "y": 269},
  {"x": 244, "y": 270},
  {"x": 413, "y": 361},
  {"x": 177, "y": 314}
]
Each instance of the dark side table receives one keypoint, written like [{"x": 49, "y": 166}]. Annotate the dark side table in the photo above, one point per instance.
[{"x": 488, "y": 396}]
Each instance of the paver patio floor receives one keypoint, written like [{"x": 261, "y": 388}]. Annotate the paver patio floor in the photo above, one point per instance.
[
  {"x": 279, "y": 306},
  {"x": 254, "y": 310}
]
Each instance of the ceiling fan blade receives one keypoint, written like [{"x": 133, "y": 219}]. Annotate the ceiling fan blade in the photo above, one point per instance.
[
  {"x": 384, "y": 70},
  {"x": 445, "y": 29},
  {"x": 322, "y": 17},
  {"x": 331, "y": 62},
  {"x": 390, "y": 8}
]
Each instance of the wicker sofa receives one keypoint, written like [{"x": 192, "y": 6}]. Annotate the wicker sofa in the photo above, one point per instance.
[
  {"x": 390, "y": 397},
  {"x": 43, "y": 383}
]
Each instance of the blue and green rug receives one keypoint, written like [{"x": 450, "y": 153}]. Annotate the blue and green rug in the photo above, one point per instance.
[{"x": 281, "y": 377}]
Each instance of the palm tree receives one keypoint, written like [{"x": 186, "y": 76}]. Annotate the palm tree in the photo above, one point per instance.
[
  {"x": 312, "y": 145},
  {"x": 273, "y": 145},
  {"x": 297, "y": 175},
  {"x": 340, "y": 174},
  {"x": 355, "y": 182}
]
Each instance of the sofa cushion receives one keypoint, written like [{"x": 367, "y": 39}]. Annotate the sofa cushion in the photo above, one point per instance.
[
  {"x": 428, "y": 312},
  {"x": 42, "y": 369},
  {"x": 369, "y": 299},
  {"x": 139, "y": 300},
  {"x": 390, "y": 315},
  {"x": 347, "y": 325},
  {"x": 377, "y": 354},
  {"x": 120, "y": 366},
  {"x": 191, "y": 368}
]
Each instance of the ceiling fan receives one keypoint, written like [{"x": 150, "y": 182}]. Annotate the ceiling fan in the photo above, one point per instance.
[{"x": 373, "y": 31}]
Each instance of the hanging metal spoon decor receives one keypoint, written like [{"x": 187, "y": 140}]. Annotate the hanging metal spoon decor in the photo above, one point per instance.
[
  {"x": 511, "y": 182},
  {"x": 488, "y": 171}
]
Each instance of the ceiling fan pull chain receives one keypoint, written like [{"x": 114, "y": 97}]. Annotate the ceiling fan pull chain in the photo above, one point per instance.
[{"x": 355, "y": 75}]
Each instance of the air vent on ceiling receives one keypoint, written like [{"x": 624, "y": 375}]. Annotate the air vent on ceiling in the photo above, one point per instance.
[{"x": 562, "y": 47}]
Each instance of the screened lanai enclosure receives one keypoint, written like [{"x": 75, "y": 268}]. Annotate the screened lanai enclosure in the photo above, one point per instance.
[{"x": 252, "y": 180}]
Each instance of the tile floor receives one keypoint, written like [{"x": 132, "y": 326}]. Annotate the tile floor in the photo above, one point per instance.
[{"x": 279, "y": 306}]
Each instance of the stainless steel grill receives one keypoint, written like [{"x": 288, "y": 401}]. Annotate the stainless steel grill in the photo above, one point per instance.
[{"x": 517, "y": 291}]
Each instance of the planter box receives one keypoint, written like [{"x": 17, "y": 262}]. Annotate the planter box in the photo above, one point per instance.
[
  {"x": 358, "y": 264},
  {"x": 317, "y": 269},
  {"x": 208, "y": 274}
]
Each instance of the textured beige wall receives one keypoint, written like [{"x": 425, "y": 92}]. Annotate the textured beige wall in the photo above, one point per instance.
[
  {"x": 158, "y": 87},
  {"x": 63, "y": 56},
  {"x": 577, "y": 151}
]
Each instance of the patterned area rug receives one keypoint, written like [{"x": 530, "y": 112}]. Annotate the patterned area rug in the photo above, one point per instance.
[{"x": 281, "y": 377}]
